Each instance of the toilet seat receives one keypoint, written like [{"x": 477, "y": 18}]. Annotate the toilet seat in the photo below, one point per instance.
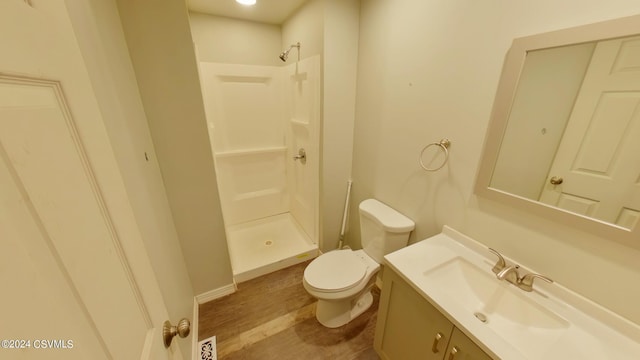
[{"x": 335, "y": 271}]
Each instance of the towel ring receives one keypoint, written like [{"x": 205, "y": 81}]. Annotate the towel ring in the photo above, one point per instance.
[{"x": 444, "y": 145}]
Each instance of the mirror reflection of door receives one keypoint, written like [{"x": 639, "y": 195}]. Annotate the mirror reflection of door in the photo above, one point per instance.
[{"x": 599, "y": 156}]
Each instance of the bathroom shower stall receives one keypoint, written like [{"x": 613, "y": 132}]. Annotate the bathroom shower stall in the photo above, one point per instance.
[{"x": 263, "y": 124}]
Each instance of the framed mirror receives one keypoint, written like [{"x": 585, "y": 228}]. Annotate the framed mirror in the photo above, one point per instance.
[{"x": 564, "y": 137}]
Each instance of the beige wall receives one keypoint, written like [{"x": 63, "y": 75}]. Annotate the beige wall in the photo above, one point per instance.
[
  {"x": 305, "y": 26},
  {"x": 224, "y": 40},
  {"x": 330, "y": 28},
  {"x": 341, "y": 24},
  {"x": 428, "y": 70},
  {"x": 99, "y": 33},
  {"x": 163, "y": 57}
]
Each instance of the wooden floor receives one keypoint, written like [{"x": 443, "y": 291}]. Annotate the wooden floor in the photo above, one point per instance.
[{"x": 273, "y": 317}]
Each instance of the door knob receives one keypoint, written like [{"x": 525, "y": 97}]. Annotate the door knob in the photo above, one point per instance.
[
  {"x": 556, "y": 180},
  {"x": 169, "y": 331},
  {"x": 302, "y": 156}
]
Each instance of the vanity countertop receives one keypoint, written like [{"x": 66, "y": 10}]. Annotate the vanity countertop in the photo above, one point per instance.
[{"x": 453, "y": 272}]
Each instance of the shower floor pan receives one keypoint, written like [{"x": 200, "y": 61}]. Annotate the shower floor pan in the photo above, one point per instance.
[{"x": 266, "y": 245}]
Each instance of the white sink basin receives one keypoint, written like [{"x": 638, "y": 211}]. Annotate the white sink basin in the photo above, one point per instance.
[
  {"x": 500, "y": 306},
  {"x": 453, "y": 272}
]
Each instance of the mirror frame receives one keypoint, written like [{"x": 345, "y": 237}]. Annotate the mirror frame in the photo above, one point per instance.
[{"x": 514, "y": 62}]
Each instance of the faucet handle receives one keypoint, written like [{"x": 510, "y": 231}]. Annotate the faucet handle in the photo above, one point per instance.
[
  {"x": 526, "y": 282},
  {"x": 500, "y": 264}
]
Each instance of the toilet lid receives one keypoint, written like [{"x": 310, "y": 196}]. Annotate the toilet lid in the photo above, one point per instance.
[{"x": 335, "y": 271}]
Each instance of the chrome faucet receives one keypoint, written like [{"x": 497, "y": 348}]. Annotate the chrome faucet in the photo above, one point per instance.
[{"x": 510, "y": 273}]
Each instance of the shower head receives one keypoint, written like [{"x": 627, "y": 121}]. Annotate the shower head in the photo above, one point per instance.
[{"x": 285, "y": 54}]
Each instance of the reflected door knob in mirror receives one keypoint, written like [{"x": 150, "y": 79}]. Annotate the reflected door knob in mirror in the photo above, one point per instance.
[
  {"x": 556, "y": 180},
  {"x": 302, "y": 156}
]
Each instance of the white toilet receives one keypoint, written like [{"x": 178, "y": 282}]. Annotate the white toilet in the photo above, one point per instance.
[{"x": 341, "y": 280}]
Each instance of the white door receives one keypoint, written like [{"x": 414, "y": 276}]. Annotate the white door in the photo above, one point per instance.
[
  {"x": 76, "y": 281},
  {"x": 599, "y": 155},
  {"x": 302, "y": 86}
]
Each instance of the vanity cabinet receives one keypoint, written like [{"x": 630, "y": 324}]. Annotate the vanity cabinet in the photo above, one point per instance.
[{"x": 409, "y": 327}]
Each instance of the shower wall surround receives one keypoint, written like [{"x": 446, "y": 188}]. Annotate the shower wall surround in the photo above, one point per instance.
[
  {"x": 325, "y": 28},
  {"x": 258, "y": 117}
]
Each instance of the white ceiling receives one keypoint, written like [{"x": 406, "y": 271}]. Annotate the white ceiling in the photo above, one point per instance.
[{"x": 266, "y": 11}]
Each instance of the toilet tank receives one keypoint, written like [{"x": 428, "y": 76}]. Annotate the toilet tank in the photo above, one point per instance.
[{"x": 382, "y": 229}]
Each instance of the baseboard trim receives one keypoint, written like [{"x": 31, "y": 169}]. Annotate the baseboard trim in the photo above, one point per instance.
[
  {"x": 201, "y": 299},
  {"x": 216, "y": 293}
]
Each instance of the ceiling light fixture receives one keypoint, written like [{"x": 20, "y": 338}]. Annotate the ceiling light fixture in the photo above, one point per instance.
[{"x": 246, "y": 2}]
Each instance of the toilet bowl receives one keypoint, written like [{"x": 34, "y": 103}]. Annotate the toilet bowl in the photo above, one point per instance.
[{"x": 341, "y": 280}]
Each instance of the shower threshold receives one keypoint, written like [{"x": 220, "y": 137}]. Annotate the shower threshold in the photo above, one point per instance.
[{"x": 266, "y": 245}]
